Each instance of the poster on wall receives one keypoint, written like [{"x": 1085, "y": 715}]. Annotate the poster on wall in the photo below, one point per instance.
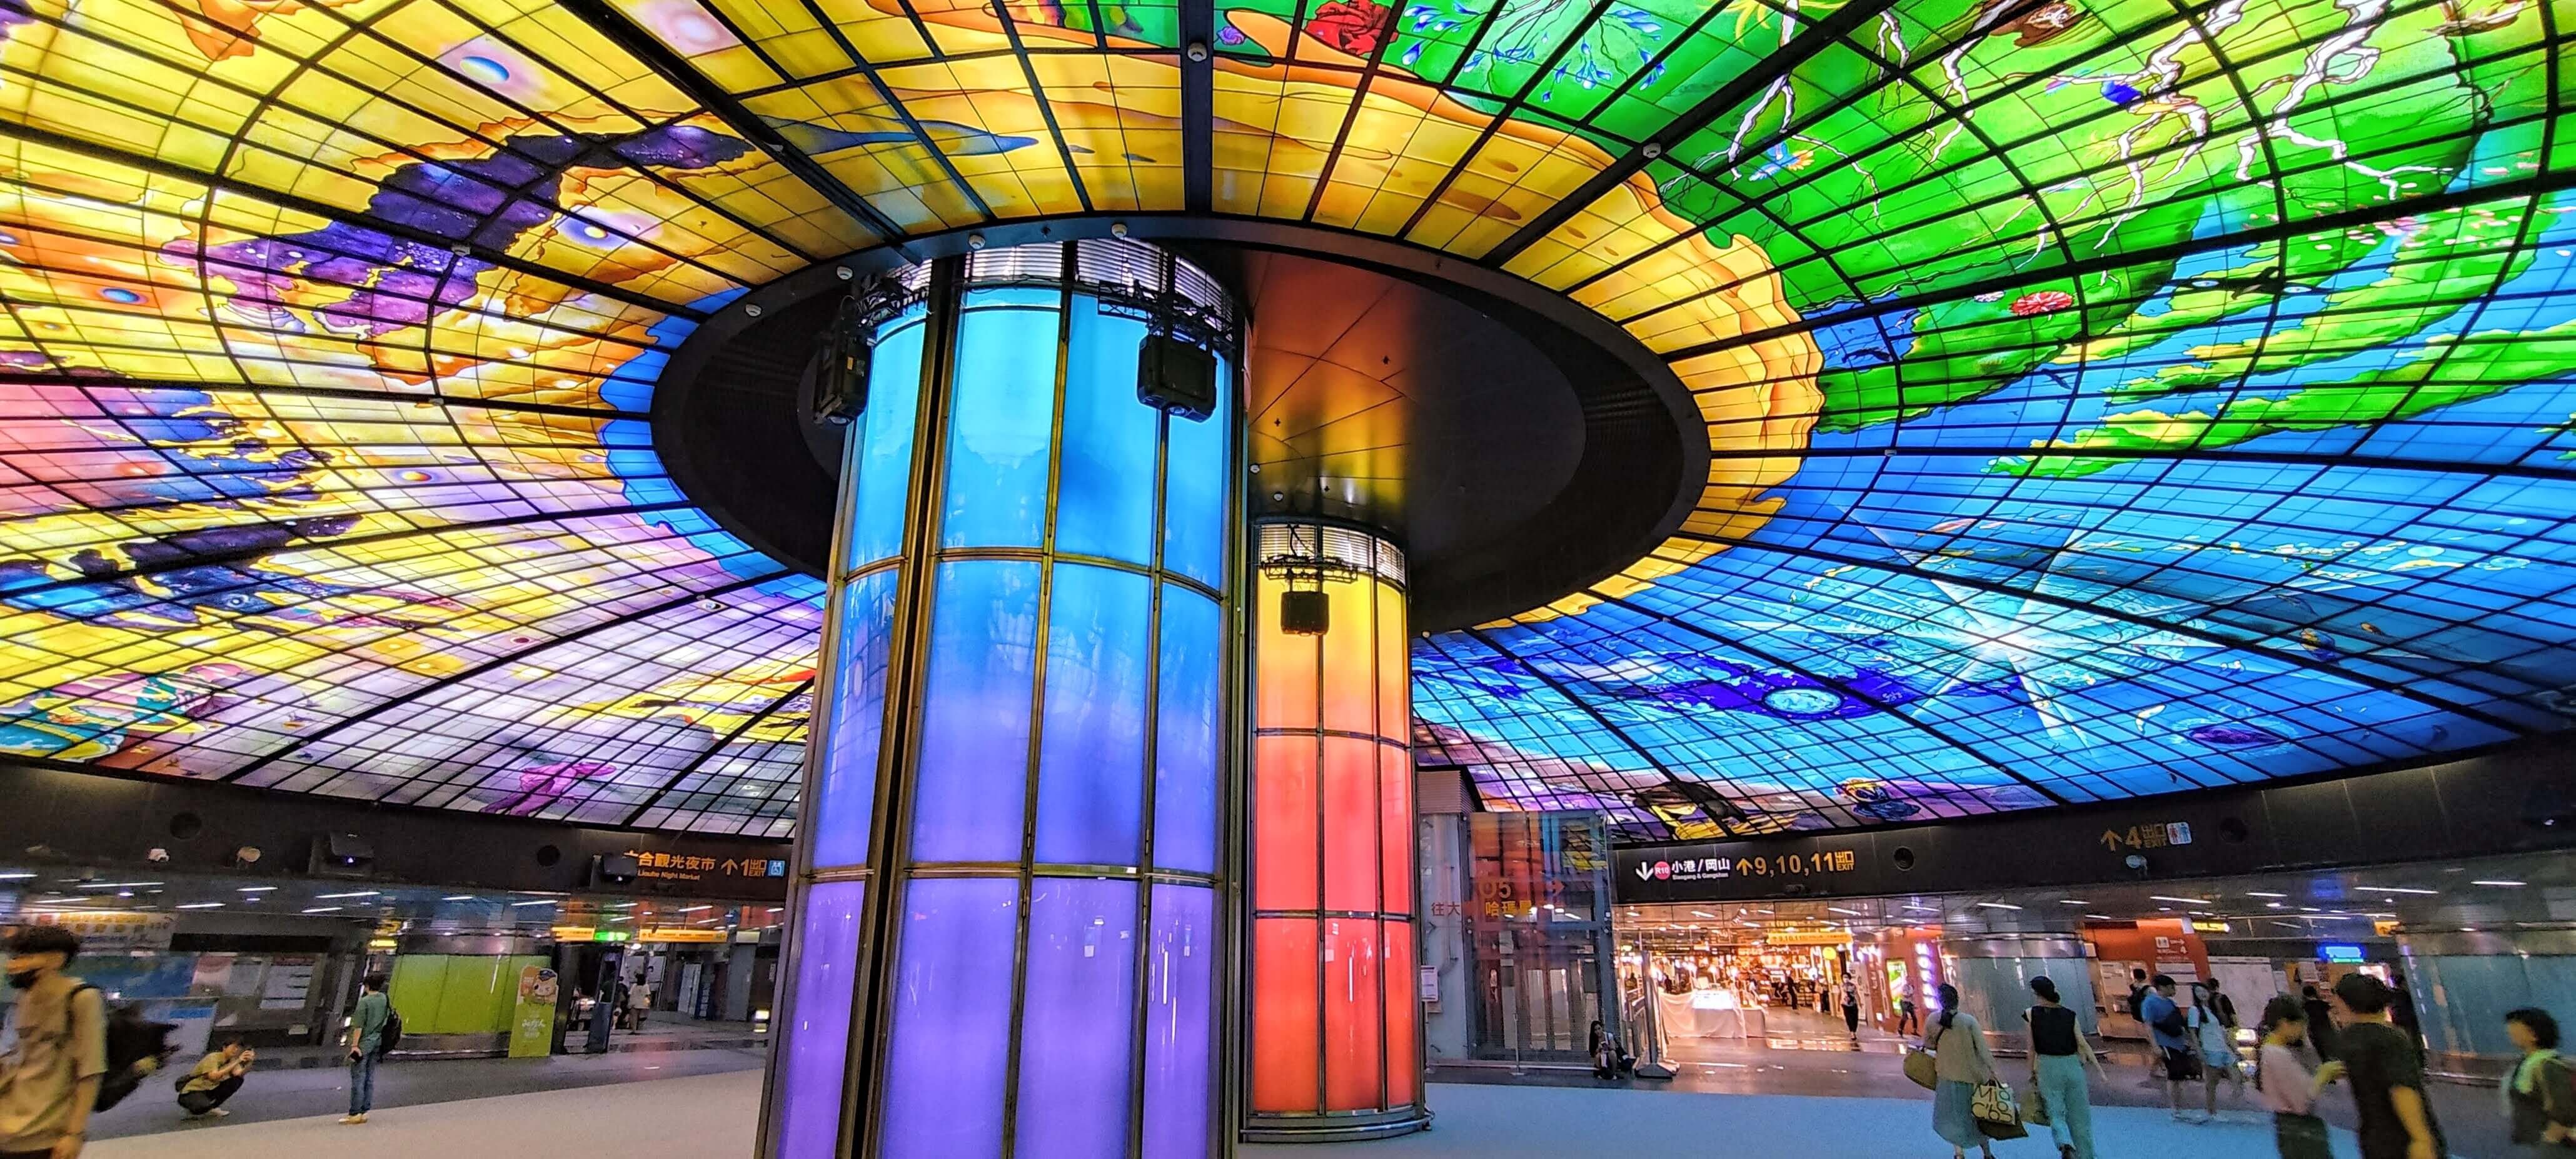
[
  {"x": 532, "y": 1019},
  {"x": 289, "y": 985}
]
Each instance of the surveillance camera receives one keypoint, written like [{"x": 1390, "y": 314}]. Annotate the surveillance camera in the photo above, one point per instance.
[
  {"x": 157, "y": 856},
  {"x": 2137, "y": 861}
]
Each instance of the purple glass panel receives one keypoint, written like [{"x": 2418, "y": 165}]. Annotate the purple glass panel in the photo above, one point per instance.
[
  {"x": 949, "y": 1056},
  {"x": 1177, "y": 965},
  {"x": 1077, "y": 1028},
  {"x": 1091, "y": 748},
  {"x": 814, "y": 1052},
  {"x": 1185, "y": 731},
  {"x": 846, "y": 784},
  {"x": 973, "y": 771}
]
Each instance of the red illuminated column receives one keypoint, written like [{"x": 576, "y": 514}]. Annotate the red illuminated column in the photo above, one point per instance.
[{"x": 1335, "y": 1026}]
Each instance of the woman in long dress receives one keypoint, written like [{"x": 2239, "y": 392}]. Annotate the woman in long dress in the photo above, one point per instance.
[{"x": 1961, "y": 1062}]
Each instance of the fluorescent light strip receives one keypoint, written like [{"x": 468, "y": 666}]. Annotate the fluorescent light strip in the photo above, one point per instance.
[
  {"x": 202, "y": 905},
  {"x": 257, "y": 889},
  {"x": 2183, "y": 900},
  {"x": 360, "y": 893},
  {"x": 16, "y": 876},
  {"x": 2502, "y": 884},
  {"x": 2395, "y": 889},
  {"x": 539, "y": 901},
  {"x": 1995, "y": 905},
  {"x": 458, "y": 897},
  {"x": 324, "y": 909},
  {"x": 1847, "y": 912},
  {"x": 2260, "y": 893}
]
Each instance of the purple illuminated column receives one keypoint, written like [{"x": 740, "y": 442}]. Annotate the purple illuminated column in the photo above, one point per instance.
[{"x": 1005, "y": 939}]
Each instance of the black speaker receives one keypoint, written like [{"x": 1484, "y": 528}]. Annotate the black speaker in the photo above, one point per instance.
[
  {"x": 341, "y": 855},
  {"x": 1176, "y": 378},
  {"x": 615, "y": 869},
  {"x": 840, "y": 367},
  {"x": 1304, "y": 613}
]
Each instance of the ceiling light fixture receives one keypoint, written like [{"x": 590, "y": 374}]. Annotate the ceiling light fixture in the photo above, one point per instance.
[
  {"x": 2260, "y": 893},
  {"x": 2396, "y": 889},
  {"x": 335, "y": 896},
  {"x": 257, "y": 889},
  {"x": 2180, "y": 900},
  {"x": 2502, "y": 884},
  {"x": 201, "y": 905},
  {"x": 1996, "y": 905}
]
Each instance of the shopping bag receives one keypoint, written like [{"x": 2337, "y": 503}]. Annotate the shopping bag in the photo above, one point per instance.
[
  {"x": 1921, "y": 1069},
  {"x": 1998, "y": 1115},
  {"x": 2035, "y": 1111}
]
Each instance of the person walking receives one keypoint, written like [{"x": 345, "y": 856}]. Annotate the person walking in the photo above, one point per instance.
[
  {"x": 1961, "y": 1063},
  {"x": 1851, "y": 1007},
  {"x": 639, "y": 1002},
  {"x": 53, "y": 1070},
  {"x": 2058, "y": 1056},
  {"x": 2387, "y": 1073},
  {"x": 366, "y": 1045},
  {"x": 2285, "y": 1087},
  {"x": 215, "y": 1080},
  {"x": 1908, "y": 1019},
  {"x": 2215, "y": 1040},
  {"x": 2169, "y": 1031},
  {"x": 2401, "y": 1010},
  {"x": 2539, "y": 1094},
  {"x": 2320, "y": 1023}
]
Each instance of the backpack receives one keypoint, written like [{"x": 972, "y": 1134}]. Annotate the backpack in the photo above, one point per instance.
[
  {"x": 136, "y": 1047},
  {"x": 2138, "y": 1003},
  {"x": 391, "y": 1035}
]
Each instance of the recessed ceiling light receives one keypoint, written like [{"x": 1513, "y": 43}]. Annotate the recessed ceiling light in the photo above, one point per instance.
[
  {"x": 2395, "y": 889},
  {"x": 2181, "y": 900},
  {"x": 2502, "y": 884},
  {"x": 1703, "y": 914},
  {"x": 2274, "y": 905},
  {"x": 1996, "y": 905},
  {"x": 1847, "y": 912},
  {"x": 2261, "y": 893},
  {"x": 16, "y": 876}
]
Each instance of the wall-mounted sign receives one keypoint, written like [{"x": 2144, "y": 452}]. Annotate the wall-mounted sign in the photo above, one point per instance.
[
  {"x": 1811, "y": 938},
  {"x": 2209, "y": 927},
  {"x": 665, "y": 865},
  {"x": 677, "y": 934},
  {"x": 2335, "y": 952},
  {"x": 102, "y": 930},
  {"x": 1709, "y": 872},
  {"x": 2146, "y": 836}
]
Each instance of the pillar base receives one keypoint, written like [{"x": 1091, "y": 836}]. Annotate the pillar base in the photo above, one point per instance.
[{"x": 1337, "y": 1128}]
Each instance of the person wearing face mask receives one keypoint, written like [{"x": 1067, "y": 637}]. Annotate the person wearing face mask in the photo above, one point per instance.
[{"x": 52, "y": 1074}]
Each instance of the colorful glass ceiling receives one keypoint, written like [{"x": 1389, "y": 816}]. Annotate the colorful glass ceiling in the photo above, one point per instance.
[{"x": 2107, "y": 398}]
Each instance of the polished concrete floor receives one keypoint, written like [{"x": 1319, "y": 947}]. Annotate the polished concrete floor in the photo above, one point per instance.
[{"x": 710, "y": 1117}]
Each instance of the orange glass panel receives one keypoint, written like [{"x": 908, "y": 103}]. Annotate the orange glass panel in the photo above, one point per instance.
[
  {"x": 1284, "y": 1016},
  {"x": 1283, "y": 823},
  {"x": 1394, "y": 667},
  {"x": 1351, "y": 815},
  {"x": 1395, "y": 829},
  {"x": 1350, "y": 677},
  {"x": 1403, "y": 1018},
  {"x": 1287, "y": 663},
  {"x": 1353, "y": 994}
]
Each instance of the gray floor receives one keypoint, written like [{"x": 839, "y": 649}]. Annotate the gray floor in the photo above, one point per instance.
[{"x": 710, "y": 1117}]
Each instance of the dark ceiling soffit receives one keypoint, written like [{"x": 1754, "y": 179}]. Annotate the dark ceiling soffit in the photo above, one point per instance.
[
  {"x": 14, "y": 766},
  {"x": 1819, "y": 36},
  {"x": 503, "y": 660},
  {"x": 501, "y": 259},
  {"x": 644, "y": 46},
  {"x": 1395, "y": 258}
]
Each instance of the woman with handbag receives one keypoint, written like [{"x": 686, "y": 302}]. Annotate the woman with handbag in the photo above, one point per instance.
[
  {"x": 2058, "y": 1056},
  {"x": 1961, "y": 1063},
  {"x": 2285, "y": 1086}
]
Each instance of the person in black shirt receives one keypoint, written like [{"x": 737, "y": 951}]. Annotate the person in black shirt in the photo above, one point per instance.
[
  {"x": 2401, "y": 1010},
  {"x": 2387, "y": 1073},
  {"x": 2058, "y": 1055},
  {"x": 2321, "y": 1027}
]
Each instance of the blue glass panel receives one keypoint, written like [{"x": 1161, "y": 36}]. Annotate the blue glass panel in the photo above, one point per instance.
[
  {"x": 1091, "y": 748},
  {"x": 1195, "y": 481},
  {"x": 1189, "y": 703},
  {"x": 846, "y": 782},
  {"x": 1078, "y": 1027},
  {"x": 1000, "y": 422},
  {"x": 975, "y": 713},
  {"x": 1178, "y": 962},
  {"x": 813, "y": 1056},
  {"x": 885, "y": 444},
  {"x": 948, "y": 1059},
  {"x": 1105, "y": 489}
]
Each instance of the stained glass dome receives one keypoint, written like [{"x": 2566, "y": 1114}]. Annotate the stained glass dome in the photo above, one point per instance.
[{"x": 2104, "y": 398}]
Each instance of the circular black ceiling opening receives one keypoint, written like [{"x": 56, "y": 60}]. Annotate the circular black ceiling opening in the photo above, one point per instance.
[{"x": 1515, "y": 445}]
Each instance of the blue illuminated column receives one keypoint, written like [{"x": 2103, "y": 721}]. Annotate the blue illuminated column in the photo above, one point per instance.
[{"x": 1004, "y": 934}]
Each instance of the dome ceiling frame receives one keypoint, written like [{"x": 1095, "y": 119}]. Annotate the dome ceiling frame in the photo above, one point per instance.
[{"x": 354, "y": 501}]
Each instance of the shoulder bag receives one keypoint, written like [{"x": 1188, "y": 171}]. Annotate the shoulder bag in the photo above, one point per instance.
[{"x": 1919, "y": 1065}]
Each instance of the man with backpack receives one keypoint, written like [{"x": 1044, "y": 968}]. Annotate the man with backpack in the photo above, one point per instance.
[
  {"x": 367, "y": 1045},
  {"x": 49, "y": 1081}
]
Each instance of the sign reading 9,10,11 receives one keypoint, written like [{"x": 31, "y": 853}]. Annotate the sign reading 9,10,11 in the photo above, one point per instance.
[{"x": 1770, "y": 865}]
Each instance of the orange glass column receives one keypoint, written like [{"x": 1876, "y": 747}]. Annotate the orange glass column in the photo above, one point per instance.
[{"x": 1335, "y": 1025}]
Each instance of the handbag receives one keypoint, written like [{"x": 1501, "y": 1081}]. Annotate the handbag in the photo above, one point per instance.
[
  {"x": 2035, "y": 1111},
  {"x": 2300, "y": 1136},
  {"x": 1998, "y": 1116},
  {"x": 1920, "y": 1069}
]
